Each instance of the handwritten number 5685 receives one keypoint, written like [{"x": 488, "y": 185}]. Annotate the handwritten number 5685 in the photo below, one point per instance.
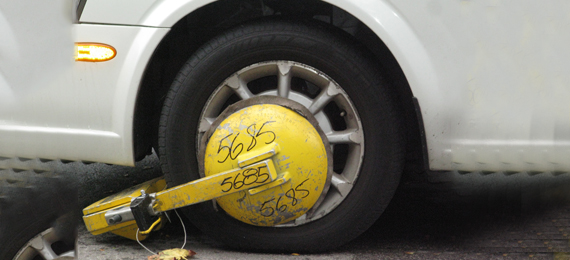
[{"x": 234, "y": 149}]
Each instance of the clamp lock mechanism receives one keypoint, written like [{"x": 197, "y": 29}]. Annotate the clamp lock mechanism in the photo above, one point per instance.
[{"x": 142, "y": 211}]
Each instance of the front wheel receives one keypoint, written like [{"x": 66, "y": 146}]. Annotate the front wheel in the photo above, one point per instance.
[{"x": 310, "y": 65}]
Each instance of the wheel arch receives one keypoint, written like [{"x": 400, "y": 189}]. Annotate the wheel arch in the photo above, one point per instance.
[{"x": 379, "y": 28}]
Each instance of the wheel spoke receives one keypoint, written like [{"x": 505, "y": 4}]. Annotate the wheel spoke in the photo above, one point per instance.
[
  {"x": 324, "y": 98},
  {"x": 349, "y": 136},
  {"x": 239, "y": 87},
  {"x": 68, "y": 254},
  {"x": 205, "y": 124},
  {"x": 284, "y": 79},
  {"x": 43, "y": 247},
  {"x": 47, "y": 253},
  {"x": 300, "y": 220},
  {"x": 341, "y": 184}
]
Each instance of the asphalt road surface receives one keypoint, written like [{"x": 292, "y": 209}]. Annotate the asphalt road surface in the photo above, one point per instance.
[{"x": 454, "y": 216}]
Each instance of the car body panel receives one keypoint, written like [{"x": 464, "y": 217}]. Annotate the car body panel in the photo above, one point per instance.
[
  {"x": 128, "y": 12},
  {"x": 88, "y": 114},
  {"x": 36, "y": 53},
  {"x": 502, "y": 74}
]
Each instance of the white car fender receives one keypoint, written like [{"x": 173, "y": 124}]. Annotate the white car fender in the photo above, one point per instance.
[{"x": 380, "y": 16}]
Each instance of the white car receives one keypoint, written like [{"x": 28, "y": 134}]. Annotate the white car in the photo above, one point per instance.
[{"x": 444, "y": 85}]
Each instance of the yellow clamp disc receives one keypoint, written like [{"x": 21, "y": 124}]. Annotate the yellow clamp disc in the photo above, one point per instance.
[{"x": 257, "y": 132}]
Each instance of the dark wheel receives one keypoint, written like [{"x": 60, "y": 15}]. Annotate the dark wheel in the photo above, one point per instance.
[
  {"x": 326, "y": 72},
  {"x": 38, "y": 215}
]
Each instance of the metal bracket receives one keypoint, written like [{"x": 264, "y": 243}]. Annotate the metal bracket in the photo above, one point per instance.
[{"x": 119, "y": 215}]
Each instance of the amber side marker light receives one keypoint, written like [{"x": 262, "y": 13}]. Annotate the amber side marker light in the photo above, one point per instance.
[{"x": 94, "y": 52}]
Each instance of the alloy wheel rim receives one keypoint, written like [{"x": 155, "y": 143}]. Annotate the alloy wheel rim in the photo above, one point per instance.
[
  {"x": 322, "y": 96},
  {"x": 41, "y": 245}
]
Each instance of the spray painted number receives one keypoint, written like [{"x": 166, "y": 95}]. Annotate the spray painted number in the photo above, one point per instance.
[
  {"x": 292, "y": 197},
  {"x": 234, "y": 149},
  {"x": 246, "y": 177}
]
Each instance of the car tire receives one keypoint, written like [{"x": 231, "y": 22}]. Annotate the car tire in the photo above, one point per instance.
[{"x": 367, "y": 171}]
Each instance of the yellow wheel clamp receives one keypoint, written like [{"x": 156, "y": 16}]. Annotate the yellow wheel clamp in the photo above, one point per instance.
[{"x": 265, "y": 161}]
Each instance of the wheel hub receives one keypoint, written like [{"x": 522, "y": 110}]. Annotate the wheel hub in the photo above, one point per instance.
[{"x": 286, "y": 132}]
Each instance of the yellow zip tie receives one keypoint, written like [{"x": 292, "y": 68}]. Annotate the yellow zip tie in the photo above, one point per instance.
[
  {"x": 184, "y": 252},
  {"x": 151, "y": 227}
]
